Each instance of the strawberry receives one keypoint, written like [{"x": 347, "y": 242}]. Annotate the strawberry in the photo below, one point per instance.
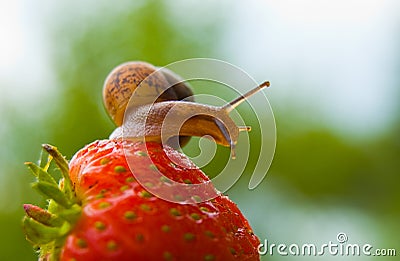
[{"x": 99, "y": 211}]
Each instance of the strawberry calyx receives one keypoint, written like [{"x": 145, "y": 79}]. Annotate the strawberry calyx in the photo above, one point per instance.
[{"x": 47, "y": 228}]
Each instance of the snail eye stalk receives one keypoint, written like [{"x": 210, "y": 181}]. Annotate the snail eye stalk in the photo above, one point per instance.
[{"x": 236, "y": 102}]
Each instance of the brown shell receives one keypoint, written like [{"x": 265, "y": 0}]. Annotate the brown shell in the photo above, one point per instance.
[{"x": 123, "y": 81}]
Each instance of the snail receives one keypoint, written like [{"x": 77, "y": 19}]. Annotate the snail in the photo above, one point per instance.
[{"x": 159, "y": 112}]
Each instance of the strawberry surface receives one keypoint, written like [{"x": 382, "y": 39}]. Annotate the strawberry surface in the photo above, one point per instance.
[
  {"x": 100, "y": 210},
  {"x": 122, "y": 221}
]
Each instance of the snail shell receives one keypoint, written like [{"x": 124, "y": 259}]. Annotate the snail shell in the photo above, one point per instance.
[{"x": 122, "y": 82}]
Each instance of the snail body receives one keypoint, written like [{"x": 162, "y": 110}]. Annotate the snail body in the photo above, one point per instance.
[{"x": 155, "y": 104}]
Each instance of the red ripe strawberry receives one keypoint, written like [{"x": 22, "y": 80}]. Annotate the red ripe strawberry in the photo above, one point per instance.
[{"x": 103, "y": 213}]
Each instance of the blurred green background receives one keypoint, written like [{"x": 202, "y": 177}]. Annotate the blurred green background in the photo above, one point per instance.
[{"x": 335, "y": 73}]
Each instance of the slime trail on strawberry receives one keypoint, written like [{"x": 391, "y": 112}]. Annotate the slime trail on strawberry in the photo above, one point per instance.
[{"x": 99, "y": 211}]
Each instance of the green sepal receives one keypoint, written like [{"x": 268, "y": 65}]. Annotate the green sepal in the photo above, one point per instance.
[
  {"x": 40, "y": 173},
  {"x": 39, "y": 234},
  {"x": 44, "y": 162},
  {"x": 48, "y": 229},
  {"x": 72, "y": 214},
  {"x": 52, "y": 191},
  {"x": 43, "y": 216},
  {"x": 62, "y": 163}
]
